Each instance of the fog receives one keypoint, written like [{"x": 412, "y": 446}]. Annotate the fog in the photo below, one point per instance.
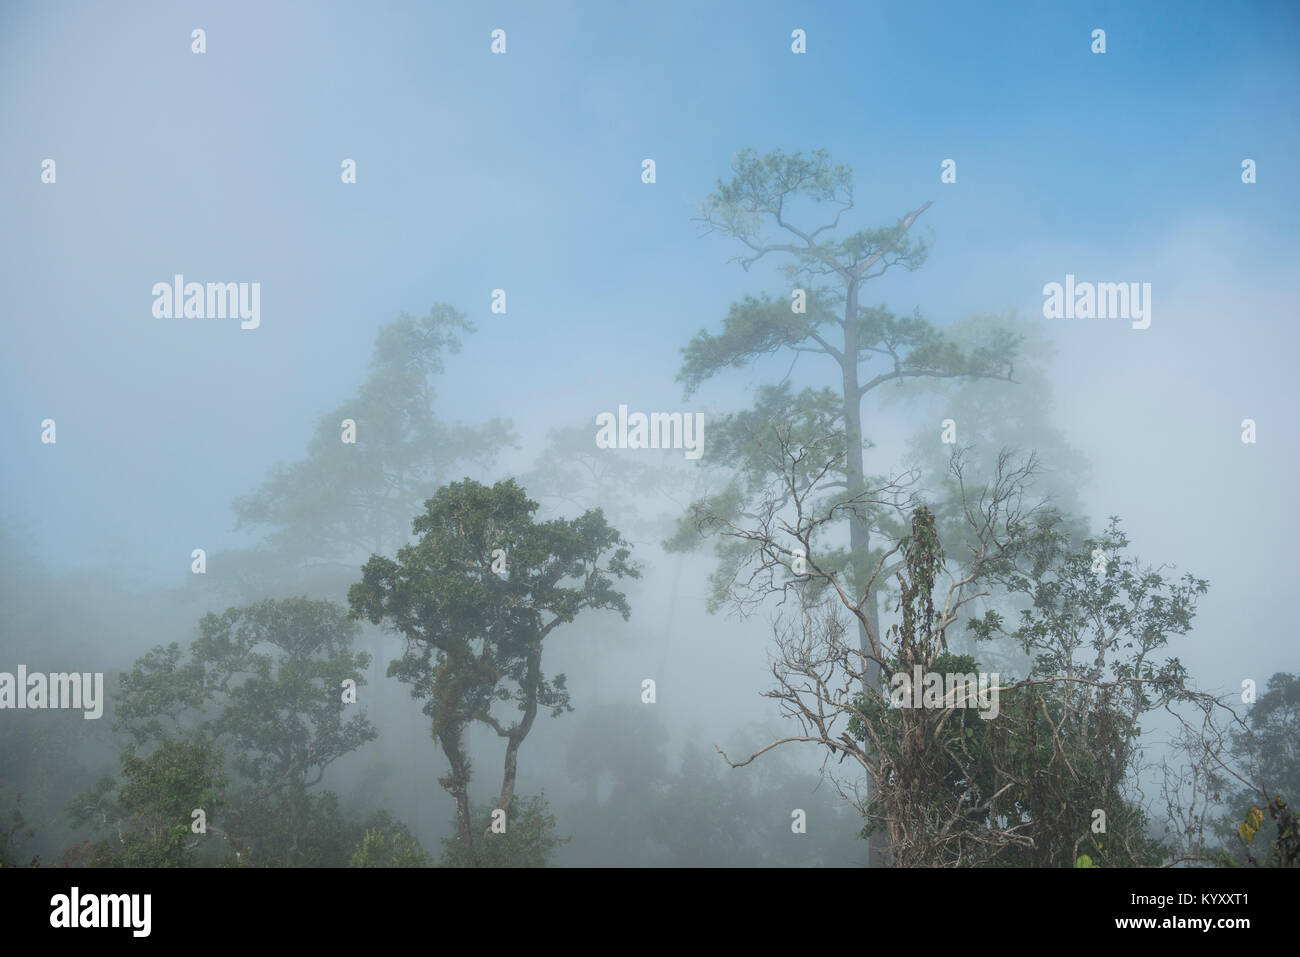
[{"x": 509, "y": 189}]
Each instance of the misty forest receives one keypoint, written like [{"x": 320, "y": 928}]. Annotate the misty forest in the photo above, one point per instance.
[{"x": 710, "y": 531}]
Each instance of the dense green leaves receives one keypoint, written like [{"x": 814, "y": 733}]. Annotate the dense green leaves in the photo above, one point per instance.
[
  {"x": 151, "y": 810},
  {"x": 474, "y": 635},
  {"x": 265, "y": 683}
]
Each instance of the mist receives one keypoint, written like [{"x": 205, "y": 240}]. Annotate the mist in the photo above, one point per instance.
[{"x": 454, "y": 270}]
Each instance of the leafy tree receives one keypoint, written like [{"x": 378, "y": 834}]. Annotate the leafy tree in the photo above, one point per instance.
[
  {"x": 388, "y": 843},
  {"x": 1266, "y": 752},
  {"x": 150, "y": 810},
  {"x": 1274, "y": 737},
  {"x": 474, "y": 638},
  {"x": 1098, "y": 626},
  {"x": 266, "y": 682}
]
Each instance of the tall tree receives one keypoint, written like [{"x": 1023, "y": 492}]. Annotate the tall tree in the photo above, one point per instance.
[
  {"x": 475, "y": 599},
  {"x": 868, "y": 346}
]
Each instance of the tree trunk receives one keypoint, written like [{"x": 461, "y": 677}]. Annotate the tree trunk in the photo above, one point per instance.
[
  {"x": 859, "y": 528},
  {"x": 517, "y": 734},
  {"x": 457, "y": 783}
]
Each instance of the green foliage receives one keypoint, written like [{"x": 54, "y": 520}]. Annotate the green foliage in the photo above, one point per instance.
[
  {"x": 1105, "y": 624},
  {"x": 1275, "y": 727},
  {"x": 752, "y": 327},
  {"x": 529, "y": 840},
  {"x": 1266, "y": 749},
  {"x": 1284, "y": 848},
  {"x": 265, "y": 682},
  {"x": 151, "y": 810},
  {"x": 1120, "y": 612},
  {"x": 1274, "y": 722},
  {"x": 268, "y": 679},
  {"x": 764, "y": 191},
  {"x": 474, "y": 637},
  {"x": 389, "y": 843},
  {"x": 1020, "y": 789}
]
